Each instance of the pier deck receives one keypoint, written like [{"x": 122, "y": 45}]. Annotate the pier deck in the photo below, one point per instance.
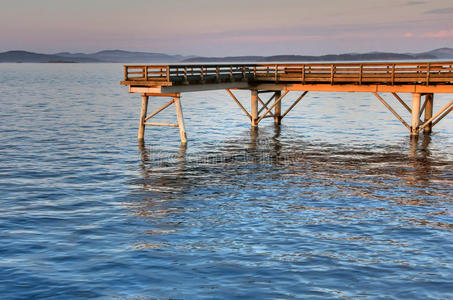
[{"x": 418, "y": 78}]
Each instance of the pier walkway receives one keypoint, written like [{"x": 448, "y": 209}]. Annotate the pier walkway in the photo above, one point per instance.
[{"x": 421, "y": 79}]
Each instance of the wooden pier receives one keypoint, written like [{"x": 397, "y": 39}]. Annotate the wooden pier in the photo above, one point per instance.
[{"x": 421, "y": 79}]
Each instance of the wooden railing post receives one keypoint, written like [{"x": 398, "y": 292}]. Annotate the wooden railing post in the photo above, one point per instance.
[
  {"x": 428, "y": 71},
  {"x": 126, "y": 77},
  {"x": 393, "y": 74},
  {"x": 303, "y": 74},
  {"x": 332, "y": 73},
  {"x": 361, "y": 74},
  {"x": 276, "y": 72}
]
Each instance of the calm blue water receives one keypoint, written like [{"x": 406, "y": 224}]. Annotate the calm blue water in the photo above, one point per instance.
[{"x": 337, "y": 203}]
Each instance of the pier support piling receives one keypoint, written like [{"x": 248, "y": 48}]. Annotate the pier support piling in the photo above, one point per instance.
[
  {"x": 429, "y": 100},
  {"x": 179, "y": 115},
  {"x": 415, "y": 121},
  {"x": 254, "y": 107},
  {"x": 144, "y": 118},
  {"x": 277, "y": 108},
  {"x": 143, "y": 111}
]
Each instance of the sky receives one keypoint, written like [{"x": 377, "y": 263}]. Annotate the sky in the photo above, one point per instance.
[{"x": 224, "y": 28}]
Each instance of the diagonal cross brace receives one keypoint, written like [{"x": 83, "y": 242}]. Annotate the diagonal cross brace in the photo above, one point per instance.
[
  {"x": 445, "y": 110},
  {"x": 392, "y": 110},
  {"x": 239, "y": 103}
]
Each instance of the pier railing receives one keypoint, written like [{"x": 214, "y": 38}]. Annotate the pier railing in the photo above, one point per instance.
[{"x": 309, "y": 73}]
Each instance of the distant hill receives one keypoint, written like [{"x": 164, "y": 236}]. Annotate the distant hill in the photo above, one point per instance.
[
  {"x": 115, "y": 56},
  {"x": 444, "y": 53},
  {"x": 24, "y": 56},
  {"x": 121, "y": 56},
  {"x": 441, "y": 53}
]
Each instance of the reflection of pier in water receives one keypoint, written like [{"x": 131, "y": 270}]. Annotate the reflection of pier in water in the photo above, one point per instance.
[
  {"x": 420, "y": 79},
  {"x": 238, "y": 164}
]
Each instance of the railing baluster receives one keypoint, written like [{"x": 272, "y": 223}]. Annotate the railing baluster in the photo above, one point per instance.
[
  {"x": 303, "y": 74},
  {"x": 428, "y": 71},
  {"x": 393, "y": 74},
  {"x": 332, "y": 72},
  {"x": 276, "y": 72},
  {"x": 361, "y": 74}
]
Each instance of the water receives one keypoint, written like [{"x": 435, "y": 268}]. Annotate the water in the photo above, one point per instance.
[{"x": 337, "y": 203}]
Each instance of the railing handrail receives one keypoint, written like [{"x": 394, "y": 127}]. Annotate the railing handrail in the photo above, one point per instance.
[{"x": 332, "y": 72}]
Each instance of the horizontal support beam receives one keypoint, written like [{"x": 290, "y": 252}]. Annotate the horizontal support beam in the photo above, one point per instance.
[
  {"x": 264, "y": 92},
  {"x": 364, "y": 88},
  {"x": 162, "y": 124},
  {"x": 372, "y": 88},
  {"x": 173, "y": 95},
  {"x": 157, "y": 90},
  {"x": 204, "y": 87}
]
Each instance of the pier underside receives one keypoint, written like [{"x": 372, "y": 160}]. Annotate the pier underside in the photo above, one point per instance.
[{"x": 269, "y": 85}]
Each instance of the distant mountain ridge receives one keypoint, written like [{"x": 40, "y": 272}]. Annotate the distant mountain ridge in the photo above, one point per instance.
[
  {"x": 441, "y": 53},
  {"x": 122, "y": 56},
  {"x": 25, "y": 56},
  {"x": 110, "y": 56}
]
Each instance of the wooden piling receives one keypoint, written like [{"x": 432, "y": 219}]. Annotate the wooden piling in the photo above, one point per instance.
[
  {"x": 254, "y": 107},
  {"x": 179, "y": 115},
  {"x": 277, "y": 109},
  {"x": 143, "y": 111},
  {"x": 416, "y": 97},
  {"x": 429, "y": 100}
]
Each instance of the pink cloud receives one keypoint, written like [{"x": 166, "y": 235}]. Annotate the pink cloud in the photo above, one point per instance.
[
  {"x": 408, "y": 35},
  {"x": 440, "y": 34}
]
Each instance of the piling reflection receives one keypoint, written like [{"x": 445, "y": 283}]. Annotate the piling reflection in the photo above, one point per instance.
[
  {"x": 266, "y": 152},
  {"x": 319, "y": 182},
  {"x": 162, "y": 171}
]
